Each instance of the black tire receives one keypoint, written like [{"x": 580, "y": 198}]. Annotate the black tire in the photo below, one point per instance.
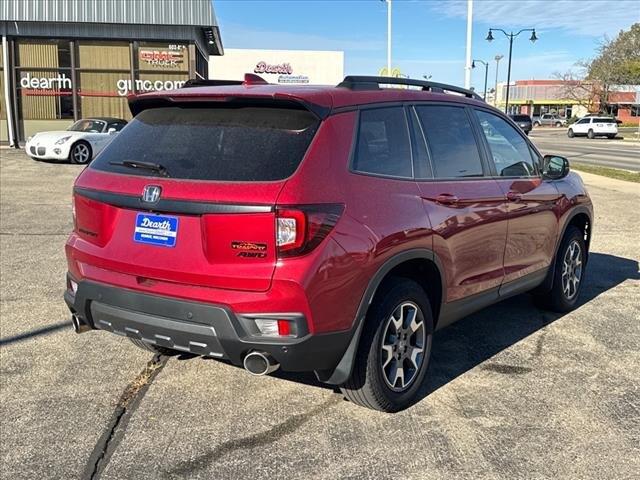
[
  {"x": 536, "y": 124},
  {"x": 153, "y": 348},
  {"x": 570, "y": 133},
  {"x": 35, "y": 159},
  {"x": 557, "y": 300},
  {"x": 590, "y": 134},
  {"x": 611, "y": 136},
  {"x": 558, "y": 124},
  {"x": 368, "y": 385},
  {"x": 80, "y": 153}
]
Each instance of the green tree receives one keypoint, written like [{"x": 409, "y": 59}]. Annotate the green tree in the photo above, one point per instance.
[{"x": 618, "y": 60}]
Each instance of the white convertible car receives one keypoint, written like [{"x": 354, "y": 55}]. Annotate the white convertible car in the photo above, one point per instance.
[{"x": 80, "y": 143}]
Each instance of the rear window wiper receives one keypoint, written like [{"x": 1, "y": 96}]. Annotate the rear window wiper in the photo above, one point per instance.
[{"x": 155, "y": 167}]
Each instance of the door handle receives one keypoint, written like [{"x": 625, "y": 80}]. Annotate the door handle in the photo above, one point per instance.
[
  {"x": 514, "y": 196},
  {"x": 447, "y": 199}
]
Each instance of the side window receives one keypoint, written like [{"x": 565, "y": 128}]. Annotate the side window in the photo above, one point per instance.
[
  {"x": 452, "y": 145},
  {"x": 584, "y": 120},
  {"x": 383, "y": 143},
  {"x": 509, "y": 150}
]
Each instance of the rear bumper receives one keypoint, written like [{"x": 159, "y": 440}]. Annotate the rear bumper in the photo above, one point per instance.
[{"x": 199, "y": 328}]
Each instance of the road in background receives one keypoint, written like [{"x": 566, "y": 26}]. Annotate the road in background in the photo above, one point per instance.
[{"x": 598, "y": 151}]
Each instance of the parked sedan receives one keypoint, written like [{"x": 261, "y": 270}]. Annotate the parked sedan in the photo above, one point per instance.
[
  {"x": 523, "y": 121},
  {"x": 593, "y": 127},
  {"x": 80, "y": 143},
  {"x": 549, "y": 120}
]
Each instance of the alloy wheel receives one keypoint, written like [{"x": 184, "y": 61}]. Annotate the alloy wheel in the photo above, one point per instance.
[
  {"x": 81, "y": 153},
  {"x": 403, "y": 344},
  {"x": 571, "y": 270}
]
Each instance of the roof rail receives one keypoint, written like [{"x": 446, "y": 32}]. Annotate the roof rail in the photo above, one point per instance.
[{"x": 357, "y": 82}]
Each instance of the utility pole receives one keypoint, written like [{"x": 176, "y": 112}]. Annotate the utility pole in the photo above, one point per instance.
[{"x": 467, "y": 66}]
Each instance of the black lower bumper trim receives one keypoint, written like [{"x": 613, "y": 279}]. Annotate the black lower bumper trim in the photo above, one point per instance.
[{"x": 199, "y": 328}]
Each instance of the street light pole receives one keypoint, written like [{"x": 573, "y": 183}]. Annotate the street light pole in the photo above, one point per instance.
[
  {"x": 497, "y": 58},
  {"x": 510, "y": 36},
  {"x": 486, "y": 73}
]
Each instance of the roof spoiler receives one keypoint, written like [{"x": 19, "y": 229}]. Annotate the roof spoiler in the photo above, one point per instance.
[
  {"x": 353, "y": 82},
  {"x": 249, "y": 79}
]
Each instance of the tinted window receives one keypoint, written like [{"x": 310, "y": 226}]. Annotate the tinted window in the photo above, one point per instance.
[
  {"x": 521, "y": 118},
  {"x": 452, "y": 146},
  {"x": 224, "y": 143},
  {"x": 383, "y": 143},
  {"x": 604, "y": 120},
  {"x": 584, "y": 120},
  {"x": 89, "y": 126},
  {"x": 509, "y": 150}
]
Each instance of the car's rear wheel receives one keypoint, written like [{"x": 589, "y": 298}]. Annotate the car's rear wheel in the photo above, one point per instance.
[
  {"x": 570, "y": 133},
  {"x": 591, "y": 134},
  {"x": 611, "y": 136},
  {"x": 80, "y": 153},
  {"x": 394, "y": 350},
  {"x": 536, "y": 124},
  {"x": 152, "y": 348},
  {"x": 558, "y": 124},
  {"x": 568, "y": 273}
]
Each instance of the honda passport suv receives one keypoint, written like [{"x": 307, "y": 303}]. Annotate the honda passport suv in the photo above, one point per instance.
[{"x": 324, "y": 229}]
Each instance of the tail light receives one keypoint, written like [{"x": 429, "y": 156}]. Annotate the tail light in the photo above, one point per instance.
[{"x": 302, "y": 228}]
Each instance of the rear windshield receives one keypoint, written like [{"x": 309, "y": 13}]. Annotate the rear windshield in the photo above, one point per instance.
[
  {"x": 241, "y": 144},
  {"x": 521, "y": 118},
  {"x": 604, "y": 120}
]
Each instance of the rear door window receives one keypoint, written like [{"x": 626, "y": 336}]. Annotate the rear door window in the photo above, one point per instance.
[
  {"x": 452, "y": 145},
  {"x": 235, "y": 144},
  {"x": 383, "y": 146}
]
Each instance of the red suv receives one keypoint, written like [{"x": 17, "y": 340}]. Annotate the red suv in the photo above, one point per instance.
[{"x": 325, "y": 229}]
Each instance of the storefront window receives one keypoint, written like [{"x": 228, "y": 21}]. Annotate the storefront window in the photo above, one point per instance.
[
  {"x": 100, "y": 94},
  {"x": 44, "y": 54},
  {"x": 104, "y": 55}
]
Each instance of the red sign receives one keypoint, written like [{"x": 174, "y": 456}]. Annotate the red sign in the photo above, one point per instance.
[{"x": 264, "y": 67}]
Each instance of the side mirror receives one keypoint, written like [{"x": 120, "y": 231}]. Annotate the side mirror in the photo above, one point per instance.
[
  {"x": 555, "y": 167},
  {"x": 111, "y": 131}
]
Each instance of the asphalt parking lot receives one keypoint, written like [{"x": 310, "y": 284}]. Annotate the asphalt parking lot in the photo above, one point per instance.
[{"x": 513, "y": 392}]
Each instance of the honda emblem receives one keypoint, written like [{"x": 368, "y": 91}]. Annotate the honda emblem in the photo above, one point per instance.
[{"x": 151, "y": 194}]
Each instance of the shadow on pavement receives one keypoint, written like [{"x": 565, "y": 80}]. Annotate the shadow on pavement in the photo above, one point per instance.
[
  {"x": 35, "y": 333},
  {"x": 473, "y": 340}
]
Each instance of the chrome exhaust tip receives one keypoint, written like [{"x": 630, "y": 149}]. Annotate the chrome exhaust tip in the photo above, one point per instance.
[
  {"x": 79, "y": 325},
  {"x": 260, "y": 363}
]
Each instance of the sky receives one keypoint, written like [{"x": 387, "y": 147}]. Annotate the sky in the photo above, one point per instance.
[{"x": 429, "y": 36}]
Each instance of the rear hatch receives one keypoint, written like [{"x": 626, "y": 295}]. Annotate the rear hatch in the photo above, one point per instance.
[
  {"x": 605, "y": 124},
  {"x": 186, "y": 193}
]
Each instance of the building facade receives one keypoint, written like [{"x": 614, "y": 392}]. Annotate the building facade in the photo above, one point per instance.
[
  {"x": 302, "y": 67},
  {"x": 62, "y": 60},
  {"x": 537, "y": 97}
]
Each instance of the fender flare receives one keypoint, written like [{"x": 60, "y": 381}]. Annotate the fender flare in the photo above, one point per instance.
[
  {"x": 547, "y": 284},
  {"x": 343, "y": 370}
]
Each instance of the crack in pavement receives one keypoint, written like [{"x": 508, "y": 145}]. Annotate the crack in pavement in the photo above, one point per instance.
[
  {"x": 117, "y": 426},
  {"x": 275, "y": 433}
]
